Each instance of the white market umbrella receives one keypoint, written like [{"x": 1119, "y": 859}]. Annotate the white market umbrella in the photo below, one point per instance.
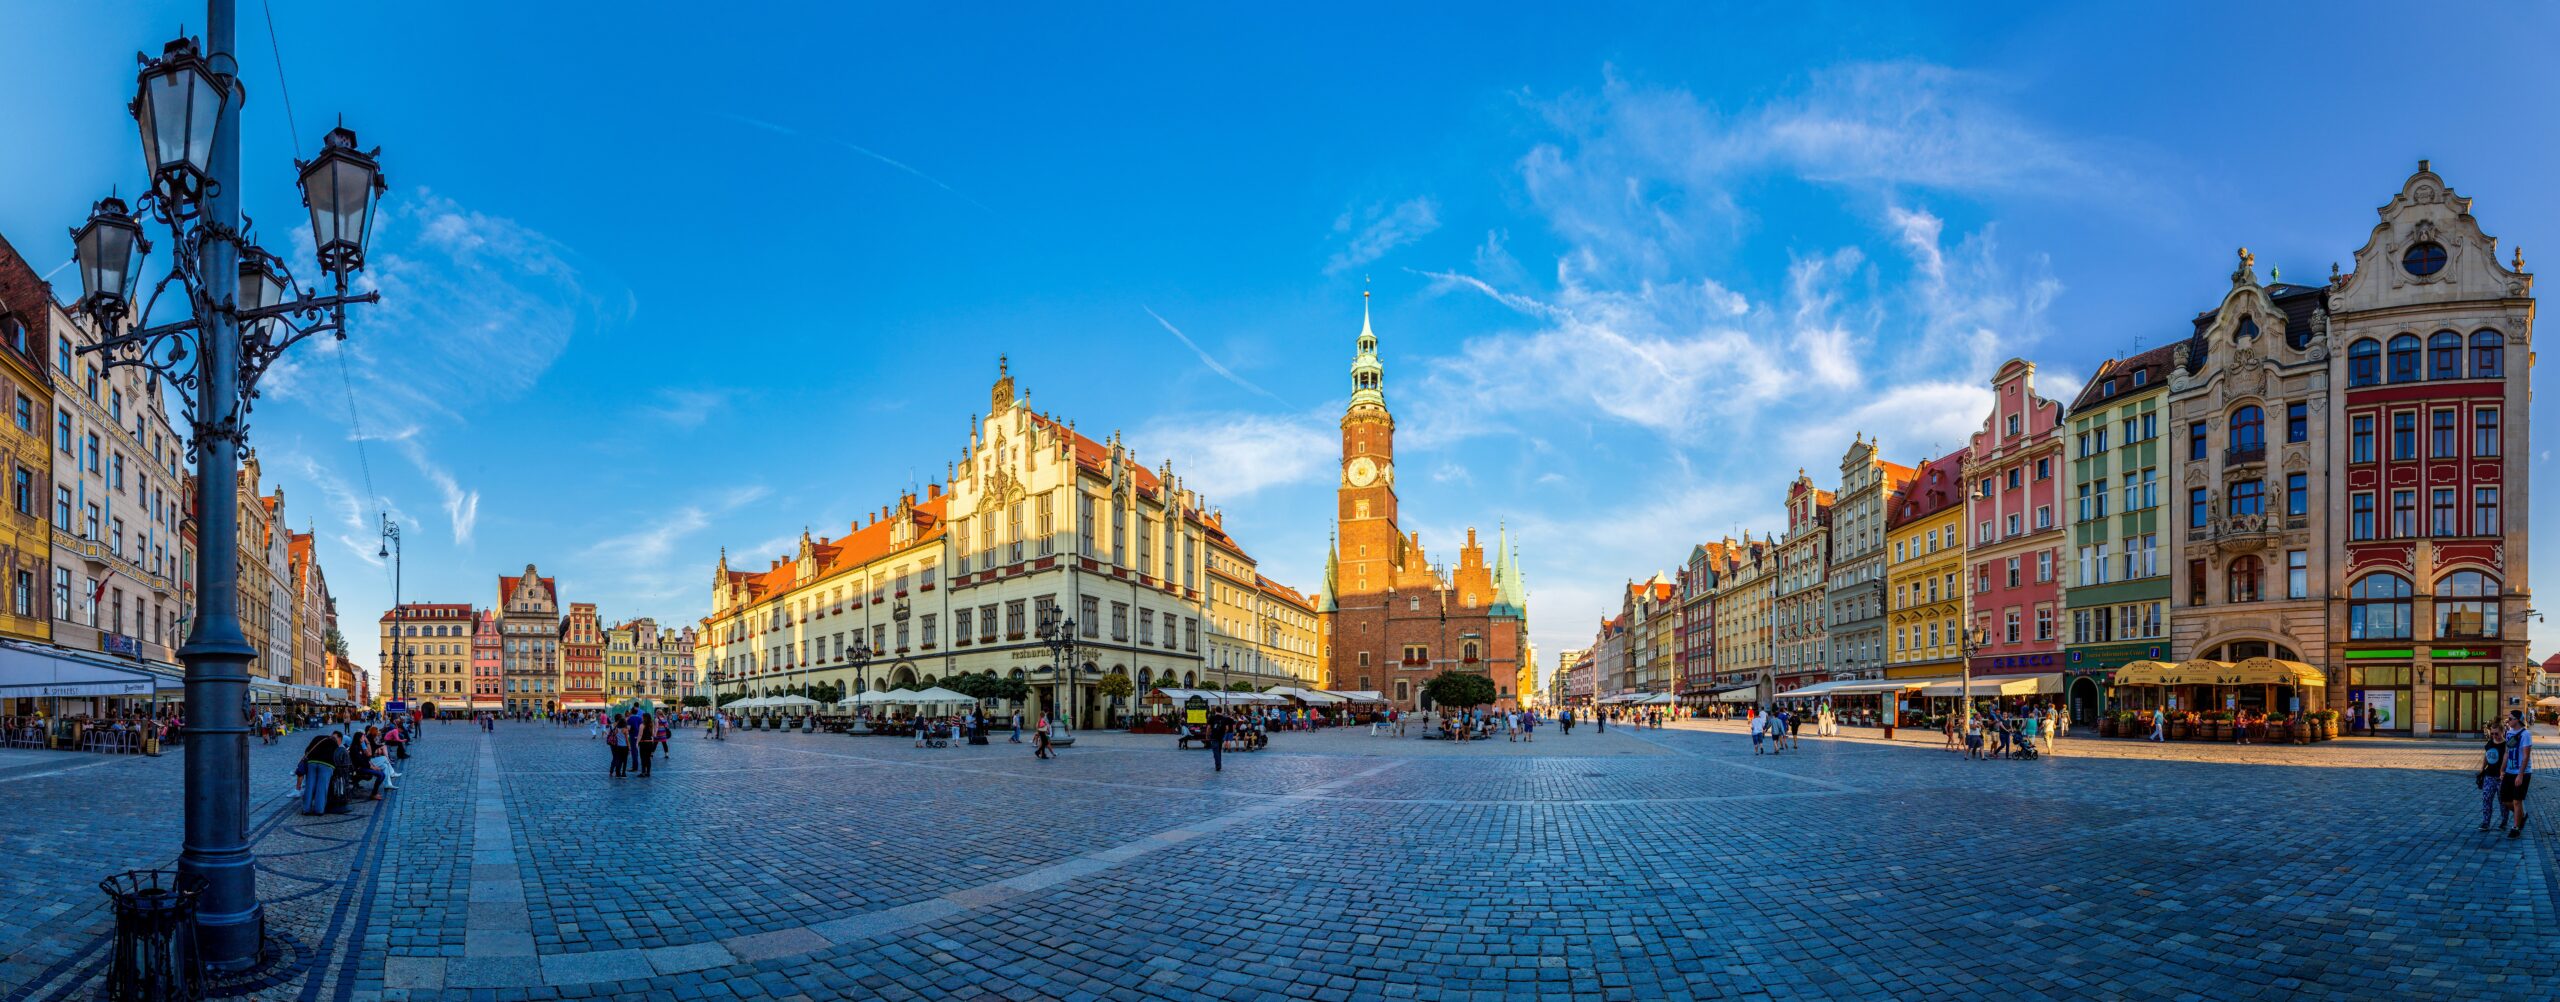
[{"x": 794, "y": 702}]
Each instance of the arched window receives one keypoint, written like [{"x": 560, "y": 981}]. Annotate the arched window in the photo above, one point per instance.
[
  {"x": 2466, "y": 606},
  {"x": 2404, "y": 358},
  {"x": 2244, "y": 576},
  {"x": 2248, "y": 329},
  {"x": 2378, "y": 607},
  {"x": 1190, "y": 680},
  {"x": 2248, "y": 431},
  {"x": 2488, "y": 355},
  {"x": 2444, "y": 355},
  {"x": 2364, "y": 362},
  {"x": 1468, "y": 651}
]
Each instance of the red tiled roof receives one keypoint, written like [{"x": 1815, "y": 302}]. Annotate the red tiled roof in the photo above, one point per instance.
[
  {"x": 1935, "y": 487},
  {"x": 865, "y": 543}
]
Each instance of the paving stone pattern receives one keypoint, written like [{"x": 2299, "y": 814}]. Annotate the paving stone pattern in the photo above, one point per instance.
[{"x": 1635, "y": 865}]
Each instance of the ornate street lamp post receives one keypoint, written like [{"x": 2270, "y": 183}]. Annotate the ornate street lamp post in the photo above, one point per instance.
[
  {"x": 244, "y": 310},
  {"x": 860, "y": 658},
  {"x": 1059, "y": 635},
  {"x": 1975, "y": 639},
  {"x": 399, "y": 612}
]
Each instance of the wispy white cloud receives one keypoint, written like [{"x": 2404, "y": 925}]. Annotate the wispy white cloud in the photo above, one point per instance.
[
  {"x": 1205, "y": 359},
  {"x": 655, "y": 563},
  {"x": 866, "y": 151},
  {"x": 461, "y": 504},
  {"x": 686, "y": 407},
  {"x": 1237, "y": 455},
  {"x": 1380, "y": 229}
]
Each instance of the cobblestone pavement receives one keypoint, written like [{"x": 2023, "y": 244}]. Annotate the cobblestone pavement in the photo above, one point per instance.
[{"x": 1631, "y": 865}]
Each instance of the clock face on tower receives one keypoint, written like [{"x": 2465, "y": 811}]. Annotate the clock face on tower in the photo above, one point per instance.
[{"x": 1361, "y": 472}]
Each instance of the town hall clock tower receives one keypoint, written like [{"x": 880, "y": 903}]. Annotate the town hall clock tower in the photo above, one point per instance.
[
  {"x": 1366, "y": 544},
  {"x": 1389, "y": 617}
]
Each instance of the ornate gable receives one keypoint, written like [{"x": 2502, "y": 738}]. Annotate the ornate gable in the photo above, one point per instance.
[{"x": 2427, "y": 248}]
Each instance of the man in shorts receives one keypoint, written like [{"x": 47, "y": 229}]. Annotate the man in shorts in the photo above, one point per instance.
[{"x": 2517, "y": 770}]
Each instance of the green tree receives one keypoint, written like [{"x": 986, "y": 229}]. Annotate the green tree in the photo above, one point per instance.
[
  {"x": 1240, "y": 687},
  {"x": 697, "y": 701},
  {"x": 334, "y": 642},
  {"x": 1459, "y": 689},
  {"x": 1009, "y": 688},
  {"x": 1116, "y": 686}
]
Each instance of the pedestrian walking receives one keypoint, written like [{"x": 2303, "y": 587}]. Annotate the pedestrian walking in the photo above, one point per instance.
[
  {"x": 1040, "y": 747},
  {"x": 2491, "y": 776},
  {"x": 1973, "y": 737},
  {"x": 1758, "y": 732},
  {"x": 2159, "y": 724},
  {"x": 2517, "y": 770},
  {"x": 617, "y": 743},
  {"x": 1220, "y": 725},
  {"x": 1017, "y": 727}
]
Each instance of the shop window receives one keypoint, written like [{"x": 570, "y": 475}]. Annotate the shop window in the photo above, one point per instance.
[
  {"x": 2378, "y": 607},
  {"x": 2466, "y": 606}
]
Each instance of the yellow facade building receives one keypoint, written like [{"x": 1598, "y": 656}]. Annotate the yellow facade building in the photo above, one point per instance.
[
  {"x": 26, "y": 543},
  {"x": 1924, "y": 573}
]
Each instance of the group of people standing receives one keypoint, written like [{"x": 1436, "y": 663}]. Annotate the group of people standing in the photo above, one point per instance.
[
  {"x": 2506, "y": 772},
  {"x": 635, "y": 739}
]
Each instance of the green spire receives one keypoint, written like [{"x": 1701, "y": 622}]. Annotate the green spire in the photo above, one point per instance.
[
  {"x": 1324, "y": 602},
  {"x": 1509, "y": 596}
]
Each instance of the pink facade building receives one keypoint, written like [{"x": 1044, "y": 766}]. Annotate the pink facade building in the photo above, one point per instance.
[{"x": 2015, "y": 553}]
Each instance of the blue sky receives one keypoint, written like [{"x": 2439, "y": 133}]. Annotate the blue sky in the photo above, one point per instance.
[{"x": 662, "y": 278}]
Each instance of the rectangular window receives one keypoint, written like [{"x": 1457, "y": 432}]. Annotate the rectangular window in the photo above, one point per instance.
[
  {"x": 2044, "y": 468},
  {"x": 1120, "y": 621},
  {"x": 2249, "y": 497},
  {"x": 1146, "y": 626},
  {"x": 2297, "y": 421},
  {"x": 2297, "y": 574},
  {"x": 62, "y": 431},
  {"x": 2015, "y": 475},
  {"x": 1090, "y": 611},
  {"x": 2102, "y": 497},
  {"x": 2445, "y": 434},
  {"x": 2014, "y": 566},
  {"x": 2404, "y": 514},
  {"x": 2102, "y": 563},
  {"x": 960, "y": 541},
  {"x": 2360, "y": 515},
  {"x": 2011, "y": 625},
  {"x": 62, "y": 592},
  {"x": 1013, "y": 622},
  {"x": 2044, "y": 565},
  {"x": 2404, "y": 435},
  {"x": 2102, "y": 438},
  {"x": 928, "y": 633},
  {"x": 2360, "y": 439},
  {"x": 2484, "y": 432},
  {"x": 2044, "y": 623},
  {"x": 2016, "y": 524},
  {"x": 2084, "y": 502},
  {"x": 2444, "y": 519},
  {"x": 2198, "y": 442},
  {"x": 2484, "y": 511},
  {"x": 2297, "y": 494},
  {"x": 22, "y": 490},
  {"x": 26, "y": 414},
  {"x": 2195, "y": 582},
  {"x": 986, "y": 623},
  {"x": 2196, "y": 510}
]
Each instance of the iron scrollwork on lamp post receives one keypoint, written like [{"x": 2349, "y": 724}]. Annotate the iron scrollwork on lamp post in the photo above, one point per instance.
[
  {"x": 1058, "y": 633},
  {"x": 245, "y": 309}
]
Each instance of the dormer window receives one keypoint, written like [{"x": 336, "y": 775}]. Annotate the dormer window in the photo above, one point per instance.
[{"x": 2141, "y": 376}]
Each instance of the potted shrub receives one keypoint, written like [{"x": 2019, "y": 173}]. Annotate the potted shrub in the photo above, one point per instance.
[{"x": 2107, "y": 726}]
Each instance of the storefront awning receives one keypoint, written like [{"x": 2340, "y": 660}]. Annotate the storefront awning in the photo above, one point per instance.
[
  {"x": 1997, "y": 685},
  {"x": 34, "y": 670},
  {"x": 1871, "y": 688},
  {"x": 2254, "y": 671},
  {"x": 1746, "y": 694}
]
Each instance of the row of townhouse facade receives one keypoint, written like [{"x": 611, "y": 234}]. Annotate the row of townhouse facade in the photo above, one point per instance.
[
  {"x": 531, "y": 653},
  {"x": 98, "y": 539},
  {"x": 1049, "y": 557},
  {"x": 2328, "y": 479}
]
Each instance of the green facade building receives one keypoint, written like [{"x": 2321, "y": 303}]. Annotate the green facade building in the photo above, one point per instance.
[{"x": 2116, "y": 599}]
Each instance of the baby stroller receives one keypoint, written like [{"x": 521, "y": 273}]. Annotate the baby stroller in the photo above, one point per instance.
[{"x": 2021, "y": 747}]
